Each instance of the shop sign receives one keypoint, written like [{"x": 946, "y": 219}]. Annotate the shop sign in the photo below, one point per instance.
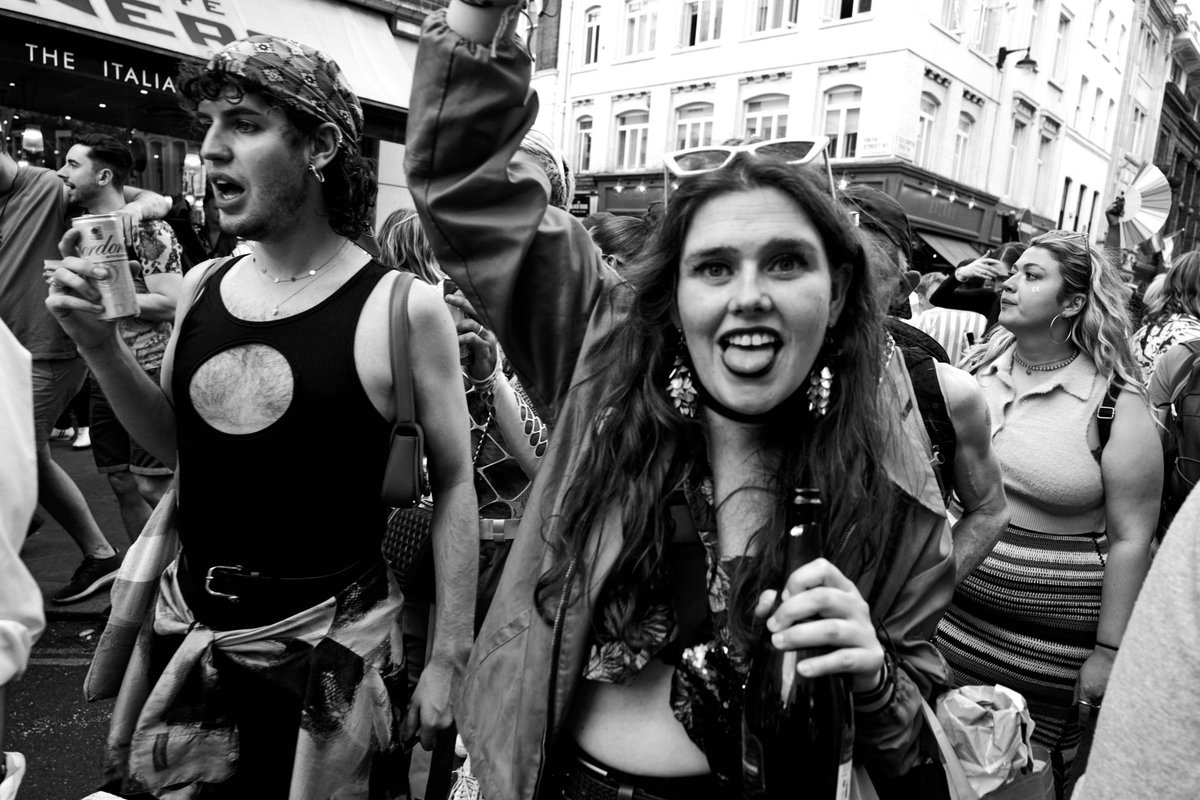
[
  {"x": 52, "y": 57},
  {"x": 581, "y": 205},
  {"x": 873, "y": 147},
  {"x": 906, "y": 147}
]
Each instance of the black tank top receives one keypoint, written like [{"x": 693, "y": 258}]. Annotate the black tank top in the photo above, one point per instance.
[{"x": 301, "y": 497}]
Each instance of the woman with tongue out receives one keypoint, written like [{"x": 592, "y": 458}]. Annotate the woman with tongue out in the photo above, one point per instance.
[{"x": 740, "y": 358}]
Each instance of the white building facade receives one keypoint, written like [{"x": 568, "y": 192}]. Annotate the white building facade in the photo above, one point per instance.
[{"x": 914, "y": 96}]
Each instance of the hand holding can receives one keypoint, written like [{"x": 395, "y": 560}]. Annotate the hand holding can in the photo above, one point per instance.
[{"x": 102, "y": 242}]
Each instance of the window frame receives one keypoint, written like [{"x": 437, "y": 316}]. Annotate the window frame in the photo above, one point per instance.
[
  {"x": 926, "y": 129},
  {"x": 584, "y": 143},
  {"x": 591, "y": 35},
  {"x": 641, "y": 130},
  {"x": 768, "y": 114},
  {"x": 700, "y": 33},
  {"x": 962, "y": 146},
  {"x": 787, "y": 11},
  {"x": 685, "y": 126},
  {"x": 843, "y": 143},
  {"x": 639, "y": 28}
]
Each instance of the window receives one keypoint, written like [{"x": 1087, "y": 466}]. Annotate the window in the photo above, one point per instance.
[
  {"x": 633, "y": 130},
  {"x": 591, "y": 35},
  {"x": 951, "y": 18},
  {"x": 842, "y": 105},
  {"x": 1016, "y": 159},
  {"x": 770, "y": 15},
  {"x": 1092, "y": 22},
  {"x": 962, "y": 144},
  {"x": 701, "y": 22},
  {"x": 641, "y": 23},
  {"x": 1108, "y": 27},
  {"x": 1108, "y": 118},
  {"x": 1062, "y": 206},
  {"x": 693, "y": 125},
  {"x": 1035, "y": 14},
  {"x": 987, "y": 25},
  {"x": 1044, "y": 162},
  {"x": 767, "y": 117},
  {"x": 1061, "y": 41},
  {"x": 845, "y": 9},
  {"x": 1139, "y": 129},
  {"x": 1075, "y": 226},
  {"x": 1121, "y": 42},
  {"x": 926, "y": 126},
  {"x": 1097, "y": 107},
  {"x": 1149, "y": 65},
  {"x": 1083, "y": 87},
  {"x": 583, "y": 144}
]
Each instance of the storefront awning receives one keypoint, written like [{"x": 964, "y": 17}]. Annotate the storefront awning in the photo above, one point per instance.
[
  {"x": 376, "y": 62},
  {"x": 949, "y": 248}
]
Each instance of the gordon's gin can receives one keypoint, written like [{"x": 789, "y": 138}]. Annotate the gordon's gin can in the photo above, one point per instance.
[{"x": 102, "y": 242}]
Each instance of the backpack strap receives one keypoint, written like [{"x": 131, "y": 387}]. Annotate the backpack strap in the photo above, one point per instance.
[
  {"x": 935, "y": 414},
  {"x": 1107, "y": 411},
  {"x": 1183, "y": 375}
]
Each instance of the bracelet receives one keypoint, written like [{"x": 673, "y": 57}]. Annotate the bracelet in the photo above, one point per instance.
[
  {"x": 1107, "y": 646},
  {"x": 485, "y": 386}
]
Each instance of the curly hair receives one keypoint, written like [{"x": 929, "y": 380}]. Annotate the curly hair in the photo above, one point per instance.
[
  {"x": 632, "y": 466},
  {"x": 404, "y": 246},
  {"x": 350, "y": 187},
  {"x": 1180, "y": 293},
  {"x": 1101, "y": 329}
]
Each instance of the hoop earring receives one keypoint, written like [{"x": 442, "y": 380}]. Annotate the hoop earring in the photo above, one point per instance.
[
  {"x": 316, "y": 172},
  {"x": 1070, "y": 332},
  {"x": 680, "y": 387}
]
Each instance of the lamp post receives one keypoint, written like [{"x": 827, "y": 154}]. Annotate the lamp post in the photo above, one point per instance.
[{"x": 1027, "y": 62}]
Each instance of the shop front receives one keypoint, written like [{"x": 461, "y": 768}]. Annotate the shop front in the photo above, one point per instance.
[{"x": 75, "y": 66}]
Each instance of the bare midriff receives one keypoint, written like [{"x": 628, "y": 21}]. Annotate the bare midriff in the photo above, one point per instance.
[{"x": 630, "y": 726}]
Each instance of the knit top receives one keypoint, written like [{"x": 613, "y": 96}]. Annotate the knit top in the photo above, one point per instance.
[{"x": 1048, "y": 445}]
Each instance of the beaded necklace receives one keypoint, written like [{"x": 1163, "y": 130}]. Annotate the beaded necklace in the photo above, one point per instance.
[{"x": 1045, "y": 366}]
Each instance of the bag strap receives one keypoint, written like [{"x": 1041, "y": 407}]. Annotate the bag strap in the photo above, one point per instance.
[
  {"x": 956, "y": 777},
  {"x": 1183, "y": 377},
  {"x": 1107, "y": 411},
  {"x": 402, "y": 381}
]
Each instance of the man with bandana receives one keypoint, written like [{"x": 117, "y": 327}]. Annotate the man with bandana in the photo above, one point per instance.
[{"x": 275, "y": 666}]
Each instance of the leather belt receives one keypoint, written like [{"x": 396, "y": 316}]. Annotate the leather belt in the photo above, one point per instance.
[
  {"x": 498, "y": 530},
  {"x": 584, "y": 779},
  {"x": 232, "y": 581}
]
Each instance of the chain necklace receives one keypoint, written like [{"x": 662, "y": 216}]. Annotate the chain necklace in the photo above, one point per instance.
[
  {"x": 1045, "y": 366},
  {"x": 311, "y": 273},
  {"x": 305, "y": 276}
]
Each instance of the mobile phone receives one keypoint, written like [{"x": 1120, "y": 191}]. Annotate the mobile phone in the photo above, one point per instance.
[{"x": 449, "y": 287}]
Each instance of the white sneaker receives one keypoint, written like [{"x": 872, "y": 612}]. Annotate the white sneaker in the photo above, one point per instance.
[
  {"x": 83, "y": 438},
  {"x": 62, "y": 434}
]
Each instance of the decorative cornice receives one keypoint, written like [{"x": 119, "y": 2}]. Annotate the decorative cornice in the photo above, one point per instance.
[
  {"x": 846, "y": 67},
  {"x": 584, "y": 101},
  {"x": 1023, "y": 107},
  {"x": 1051, "y": 124},
  {"x": 693, "y": 87},
  {"x": 642, "y": 95},
  {"x": 936, "y": 77},
  {"x": 972, "y": 98},
  {"x": 765, "y": 77}
]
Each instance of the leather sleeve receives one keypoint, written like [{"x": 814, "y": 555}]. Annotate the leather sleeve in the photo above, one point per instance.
[{"x": 530, "y": 269}]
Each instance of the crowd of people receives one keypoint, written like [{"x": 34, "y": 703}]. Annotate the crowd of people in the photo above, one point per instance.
[{"x": 613, "y": 414}]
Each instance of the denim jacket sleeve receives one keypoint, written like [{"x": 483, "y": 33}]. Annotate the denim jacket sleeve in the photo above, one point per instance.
[{"x": 529, "y": 268}]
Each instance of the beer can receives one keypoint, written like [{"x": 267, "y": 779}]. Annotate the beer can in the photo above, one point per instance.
[{"x": 102, "y": 242}]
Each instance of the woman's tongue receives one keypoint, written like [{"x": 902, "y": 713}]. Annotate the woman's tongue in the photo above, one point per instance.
[{"x": 748, "y": 360}]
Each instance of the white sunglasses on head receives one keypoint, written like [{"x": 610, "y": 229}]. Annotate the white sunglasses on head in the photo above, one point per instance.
[{"x": 698, "y": 160}]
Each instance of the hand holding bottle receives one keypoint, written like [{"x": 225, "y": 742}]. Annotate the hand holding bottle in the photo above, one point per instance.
[{"x": 822, "y": 608}]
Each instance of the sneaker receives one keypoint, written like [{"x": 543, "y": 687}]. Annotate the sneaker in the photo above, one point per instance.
[
  {"x": 83, "y": 439},
  {"x": 62, "y": 434},
  {"x": 92, "y": 576}
]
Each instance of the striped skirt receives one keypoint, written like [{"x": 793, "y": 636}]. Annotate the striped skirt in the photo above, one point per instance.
[{"x": 1026, "y": 618}]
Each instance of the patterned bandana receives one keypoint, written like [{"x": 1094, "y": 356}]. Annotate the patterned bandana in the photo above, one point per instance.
[{"x": 299, "y": 76}]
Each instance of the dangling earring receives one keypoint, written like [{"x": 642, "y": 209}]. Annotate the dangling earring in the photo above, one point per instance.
[
  {"x": 316, "y": 172},
  {"x": 680, "y": 387},
  {"x": 820, "y": 382},
  {"x": 1070, "y": 332}
]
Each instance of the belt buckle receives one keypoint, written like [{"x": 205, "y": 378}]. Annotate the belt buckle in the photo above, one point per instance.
[{"x": 208, "y": 579}]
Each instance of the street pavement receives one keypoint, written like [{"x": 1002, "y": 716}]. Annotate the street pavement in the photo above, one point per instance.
[{"x": 60, "y": 733}]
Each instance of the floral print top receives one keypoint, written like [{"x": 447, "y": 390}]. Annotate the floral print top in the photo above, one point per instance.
[{"x": 1151, "y": 341}]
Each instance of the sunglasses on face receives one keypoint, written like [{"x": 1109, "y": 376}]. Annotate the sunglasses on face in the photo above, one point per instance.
[{"x": 698, "y": 160}]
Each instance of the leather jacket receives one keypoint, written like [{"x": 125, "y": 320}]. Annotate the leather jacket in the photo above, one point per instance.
[{"x": 535, "y": 277}]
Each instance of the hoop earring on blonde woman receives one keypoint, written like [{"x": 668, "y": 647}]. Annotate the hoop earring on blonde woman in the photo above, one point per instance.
[
  {"x": 1070, "y": 333},
  {"x": 316, "y": 172}
]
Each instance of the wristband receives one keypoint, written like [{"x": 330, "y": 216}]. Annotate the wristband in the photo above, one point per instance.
[{"x": 1107, "y": 646}]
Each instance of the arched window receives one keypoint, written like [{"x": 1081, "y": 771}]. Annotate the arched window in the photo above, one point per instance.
[
  {"x": 962, "y": 146},
  {"x": 926, "y": 127},
  {"x": 583, "y": 144},
  {"x": 693, "y": 125},
  {"x": 591, "y": 35},
  {"x": 633, "y": 132},
  {"x": 767, "y": 116},
  {"x": 842, "y": 106}
]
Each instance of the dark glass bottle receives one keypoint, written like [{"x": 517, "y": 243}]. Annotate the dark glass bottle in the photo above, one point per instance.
[{"x": 797, "y": 732}]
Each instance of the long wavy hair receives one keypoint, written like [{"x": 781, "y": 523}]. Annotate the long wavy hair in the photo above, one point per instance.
[
  {"x": 1180, "y": 293},
  {"x": 1101, "y": 329},
  {"x": 404, "y": 246},
  {"x": 640, "y": 446},
  {"x": 350, "y": 187}
]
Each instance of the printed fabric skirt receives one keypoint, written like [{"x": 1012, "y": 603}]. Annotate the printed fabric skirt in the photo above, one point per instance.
[{"x": 1026, "y": 618}]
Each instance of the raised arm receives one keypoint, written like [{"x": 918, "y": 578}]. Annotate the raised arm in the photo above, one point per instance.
[
  {"x": 529, "y": 269},
  {"x": 978, "y": 482}
]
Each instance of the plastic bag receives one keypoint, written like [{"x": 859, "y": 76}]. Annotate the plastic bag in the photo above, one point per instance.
[{"x": 990, "y": 728}]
